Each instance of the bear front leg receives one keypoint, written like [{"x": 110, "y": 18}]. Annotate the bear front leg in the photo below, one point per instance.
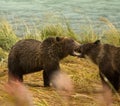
[
  {"x": 49, "y": 71},
  {"x": 46, "y": 79},
  {"x": 113, "y": 80},
  {"x": 116, "y": 79}
]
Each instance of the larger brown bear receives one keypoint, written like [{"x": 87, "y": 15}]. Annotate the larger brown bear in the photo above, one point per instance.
[
  {"x": 107, "y": 57},
  {"x": 28, "y": 56}
]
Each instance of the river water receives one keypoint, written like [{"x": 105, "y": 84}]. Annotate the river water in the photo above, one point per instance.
[{"x": 79, "y": 13}]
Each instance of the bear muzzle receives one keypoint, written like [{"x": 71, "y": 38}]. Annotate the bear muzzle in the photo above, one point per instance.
[
  {"x": 75, "y": 51},
  {"x": 79, "y": 51}
]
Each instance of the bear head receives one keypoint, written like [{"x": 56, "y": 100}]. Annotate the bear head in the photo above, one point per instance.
[
  {"x": 69, "y": 46},
  {"x": 61, "y": 46},
  {"x": 89, "y": 49}
]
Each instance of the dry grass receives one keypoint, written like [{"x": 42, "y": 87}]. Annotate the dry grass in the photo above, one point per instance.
[
  {"x": 112, "y": 35},
  {"x": 86, "y": 82}
]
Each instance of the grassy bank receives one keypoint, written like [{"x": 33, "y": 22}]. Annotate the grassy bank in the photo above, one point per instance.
[{"x": 84, "y": 74}]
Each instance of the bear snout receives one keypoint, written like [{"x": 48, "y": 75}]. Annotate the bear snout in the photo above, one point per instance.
[
  {"x": 75, "y": 51},
  {"x": 79, "y": 50}
]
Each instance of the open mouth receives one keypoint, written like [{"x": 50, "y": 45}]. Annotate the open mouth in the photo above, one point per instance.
[{"x": 75, "y": 53}]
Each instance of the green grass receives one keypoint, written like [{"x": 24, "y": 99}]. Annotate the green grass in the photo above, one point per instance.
[
  {"x": 7, "y": 35},
  {"x": 84, "y": 74},
  {"x": 112, "y": 35}
]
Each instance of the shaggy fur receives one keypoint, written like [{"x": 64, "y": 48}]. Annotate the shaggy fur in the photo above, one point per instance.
[
  {"x": 107, "y": 57},
  {"x": 28, "y": 56}
]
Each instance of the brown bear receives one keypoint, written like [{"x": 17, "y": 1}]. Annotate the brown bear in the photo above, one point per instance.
[
  {"x": 28, "y": 56},
  {"x": 107, "y": 57}
]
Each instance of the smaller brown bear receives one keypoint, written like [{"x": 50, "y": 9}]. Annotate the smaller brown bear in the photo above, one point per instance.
[
  {"x": 28, "y": 56},
  {"x": 107, "y": 57}
]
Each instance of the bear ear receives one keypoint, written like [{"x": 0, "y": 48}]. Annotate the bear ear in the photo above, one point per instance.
[
  {"x": 97, "y": 42},
  {"x": 58, "y": 38}
]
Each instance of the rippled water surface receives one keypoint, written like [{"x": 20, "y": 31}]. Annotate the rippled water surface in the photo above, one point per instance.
[{"x": 36, "y": 13}]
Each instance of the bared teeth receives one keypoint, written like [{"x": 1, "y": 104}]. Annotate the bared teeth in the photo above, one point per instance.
[{"x": 76, "y": 53}]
